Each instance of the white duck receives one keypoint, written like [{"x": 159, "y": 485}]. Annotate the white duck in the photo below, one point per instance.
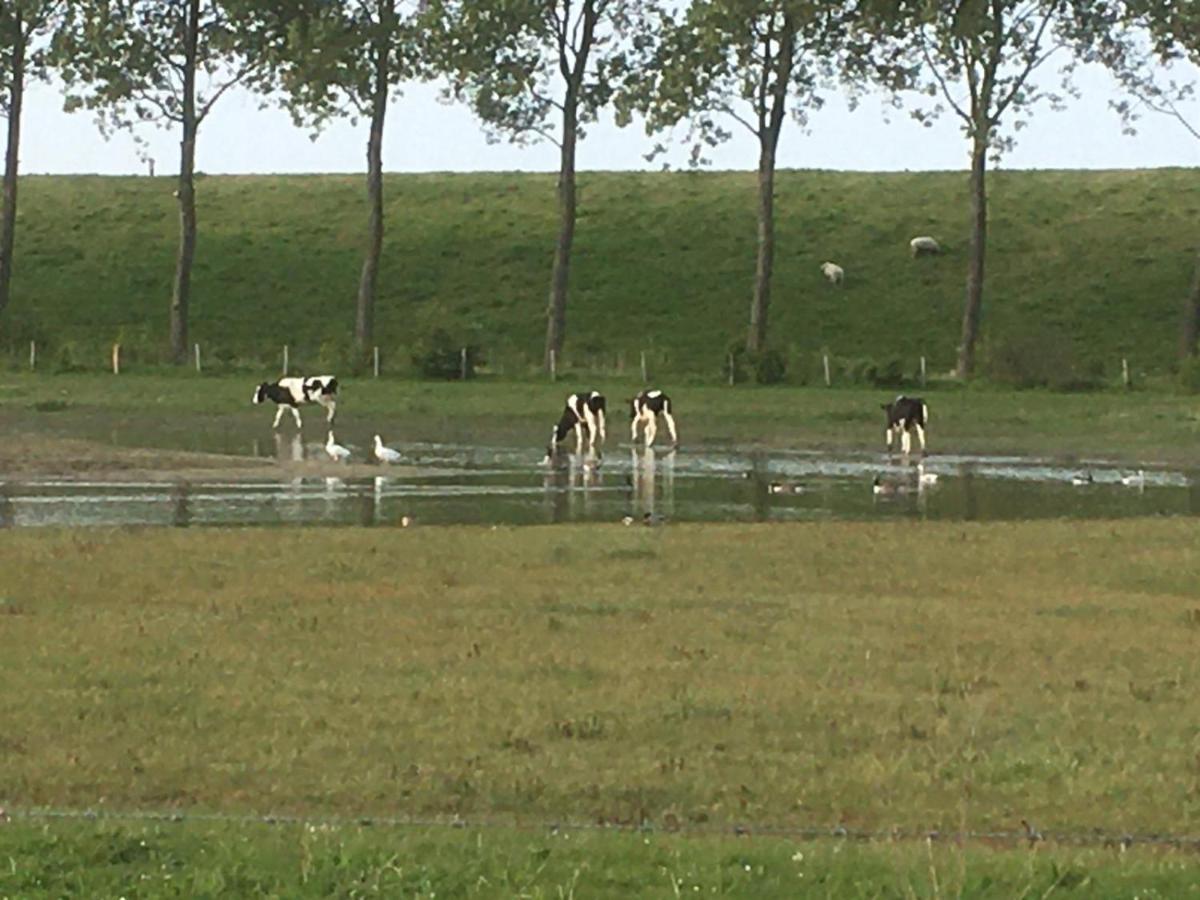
[
  {"x": 385, "y": 454},
  {"x": 336, "y": 451},
  {"x": 925, "y": 479},
  {"x": 1137, "y": 480},
  {"x": 1083, "y": 480}
]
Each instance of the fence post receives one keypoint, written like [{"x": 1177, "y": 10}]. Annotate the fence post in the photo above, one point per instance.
[
  {"x": 732, "y": 371},
  {"x": 1125, "y": 372},
  {"x": 197, "y": 357},
  {"x": 375, "y": 360},
  {"x": 285, "y": 359},
  {"x": 116, "y": 359},
  {"x": 644, "y": 378},
  {"x": 462, "y": 365},
  {"x": 32, "y": 355},
  {"x": 825, "y": 360},
  {"x": 553, "y": 367},
  {"x": 922, "y": 371}
]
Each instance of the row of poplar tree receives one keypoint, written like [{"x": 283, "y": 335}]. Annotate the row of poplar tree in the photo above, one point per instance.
[{"x": 545, "y": 69}]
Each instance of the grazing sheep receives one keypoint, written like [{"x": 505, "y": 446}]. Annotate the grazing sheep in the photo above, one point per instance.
[
  {"x": 923, "y": 245},
  {"x": 833, "y": 272}
]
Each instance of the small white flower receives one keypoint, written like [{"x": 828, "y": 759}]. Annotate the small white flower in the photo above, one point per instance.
[{"x": 798, "y": 856}]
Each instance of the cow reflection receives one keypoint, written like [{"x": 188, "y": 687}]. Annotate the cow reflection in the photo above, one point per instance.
[
  {"x": 567, "y": 484},
  {"x": 653, "y": 483}
]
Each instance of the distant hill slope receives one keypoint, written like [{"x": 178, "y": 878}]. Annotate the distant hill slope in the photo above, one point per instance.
[{"x": 663, "y": 262}]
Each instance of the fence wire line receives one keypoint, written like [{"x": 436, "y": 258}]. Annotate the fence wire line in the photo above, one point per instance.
[{"x": 1028, "y": 834}]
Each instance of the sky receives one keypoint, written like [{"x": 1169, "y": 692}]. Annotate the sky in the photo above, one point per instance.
[{"x": 425, "y": 134}]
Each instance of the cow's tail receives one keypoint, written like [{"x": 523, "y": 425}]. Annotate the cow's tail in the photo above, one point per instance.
[{"x": 925, "y": 412}]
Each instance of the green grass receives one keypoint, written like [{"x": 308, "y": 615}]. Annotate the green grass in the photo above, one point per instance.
[
  {"x": 176, "y": 412},
  {"x": 243, "y": 860},
  {"x": 1096, "y": 261},
  {"x": 707, "y": 676}
]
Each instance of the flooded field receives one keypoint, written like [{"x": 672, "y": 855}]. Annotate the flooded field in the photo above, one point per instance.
[{"x": 481, "y": 485}]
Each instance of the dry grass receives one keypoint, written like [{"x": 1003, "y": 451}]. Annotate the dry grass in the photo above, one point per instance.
[{"x": 866, "y": 674}]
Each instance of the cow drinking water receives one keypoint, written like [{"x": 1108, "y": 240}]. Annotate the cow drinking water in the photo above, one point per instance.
[
  {"x": 290, "y": 393},
  {"x": 905, "y": 415},
  {"x": 645, "y": 409},
  {"x": 583, "y": 413}
]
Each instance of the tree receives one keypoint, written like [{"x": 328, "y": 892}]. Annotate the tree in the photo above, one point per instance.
[
  {"x": 539, "y": 69},
  {"x": 165, "y": 62},
  {"x": 979, "y": 57},
  {"x": 345, "y": 57},
  {"x": 751, "y": 62},
  {"x": 22, "y": 24},
  {"x": 1141, "y": 39}
]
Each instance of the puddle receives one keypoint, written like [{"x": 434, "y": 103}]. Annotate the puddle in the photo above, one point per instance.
[{"x": 479, "y": 485}]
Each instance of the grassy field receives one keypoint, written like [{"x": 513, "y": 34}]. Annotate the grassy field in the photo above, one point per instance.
[
  {"x": 705, "y": 676},
  {"x": 214, "y": 414},
  {"x": 1094, "y": 263},
  {"x": 228, "y": 860}
]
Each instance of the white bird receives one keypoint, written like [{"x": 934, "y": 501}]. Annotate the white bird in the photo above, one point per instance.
[
  {"x": 1138, "y": 480},
  {"x": 924, "y": 479},
  {"x": 385, "y": 454},
  {"x": 1083, "y": 480},
  {"x": 336, "y": 451}
]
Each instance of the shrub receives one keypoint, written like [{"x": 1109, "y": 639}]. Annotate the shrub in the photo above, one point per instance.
[
  {"x": 438, "y": 355},
  {"x": 1037, "y": 359},
  {"x": 1189, "y": 375},
  {"x": 766, "y": 366}
]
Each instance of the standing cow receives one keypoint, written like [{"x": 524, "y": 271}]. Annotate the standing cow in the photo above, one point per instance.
[
  {"x": 645, "y": 409},
  {"x": 904, "y": 416},
  {"x": 290, "y": 393}
]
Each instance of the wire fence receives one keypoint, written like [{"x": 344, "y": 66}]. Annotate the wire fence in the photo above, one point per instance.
[{"x": 1028, "y": 835}]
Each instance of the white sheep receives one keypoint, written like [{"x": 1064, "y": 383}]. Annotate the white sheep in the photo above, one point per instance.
[
  {"x": 833, "y": 272},
  {"x": 924, "y": 244}
]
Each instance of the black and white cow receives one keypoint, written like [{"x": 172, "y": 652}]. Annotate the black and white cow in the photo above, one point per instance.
[
  {"x": 905, "y": 415},
  {"x": 290, "y": 393},
  {"x": 583, "y": 413},
  {"x": 645, "y": 409}
]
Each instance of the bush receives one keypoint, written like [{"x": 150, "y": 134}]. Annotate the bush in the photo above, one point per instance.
[
  {"x": 1189, "y": 375},
  {"x": 68, "y": 357},
  {"x": 438, "y": 355},
  {"x": 1039, "y": 360},
  {"x": 766, "y": 366}
]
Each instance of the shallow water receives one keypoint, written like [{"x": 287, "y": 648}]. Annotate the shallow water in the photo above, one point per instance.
[{"x": 481, "y": 485}]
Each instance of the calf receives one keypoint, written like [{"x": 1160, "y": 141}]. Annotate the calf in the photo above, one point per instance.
[
  {"x": 289, "y": 393},
  {"x": 584, "y": 412},
  {"x": 645, "y": 409},
  {"x": 904, "y": 415}
]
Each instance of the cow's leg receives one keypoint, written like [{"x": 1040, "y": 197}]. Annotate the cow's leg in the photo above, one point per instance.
[
  {"x": 921, "y": 436},
  {"x": 330, "y": 408},
  {"x": 597, "y": 423},
  {"x": 887, "y": 436},
  {"x": 651, "y": 431},
  {"x": 671, "y": 426},
  {"x": 296, "y": 416},
  {"x": 278, "y": 416},
  {"x": 579, "y": 437},
  {"x": 906, "y": 440},
  {"x": 633, "y": 429}
]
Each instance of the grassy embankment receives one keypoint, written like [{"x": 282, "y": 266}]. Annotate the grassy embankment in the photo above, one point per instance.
[
  {"x": 214, "y": 414},
  {"x": 1093, "y": 261},
  {"x": 699, "y": 678}
]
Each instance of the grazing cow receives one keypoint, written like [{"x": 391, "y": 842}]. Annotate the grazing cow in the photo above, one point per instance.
[
  {"x": 834, "y": 273},
  {"x": 645, "y": 409},
  {"x": 583, "y": 412},
  {"x": 904, "y": 415},
  {"x": 289, "y": 393}
]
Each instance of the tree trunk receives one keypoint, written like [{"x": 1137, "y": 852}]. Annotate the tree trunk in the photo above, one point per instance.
[
  {"x": 182, "y": 290},
  {"x": 756, "y": 338},
  {"x": 364, "y": 320},
  {"x": 556, "y": 310},
  {"x": 978, "y": 253},
  {"x": 8, "y": 221},
  {"x": 1190, "y": 333}
]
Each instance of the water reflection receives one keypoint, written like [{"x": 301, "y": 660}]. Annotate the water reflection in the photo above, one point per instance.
[{"x": 478, "y": 485}]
